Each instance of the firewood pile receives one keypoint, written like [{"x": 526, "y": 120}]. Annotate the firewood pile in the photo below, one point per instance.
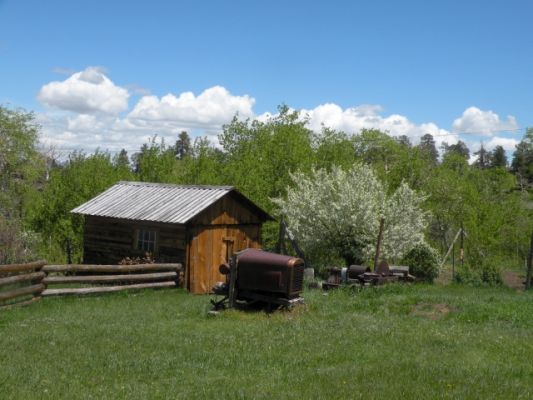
[{"x": 147, "y": 259}]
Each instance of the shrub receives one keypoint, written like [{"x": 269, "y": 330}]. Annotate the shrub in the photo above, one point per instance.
[
  {"x": 423, "y": 262},
  {"x": 488, "y": 274}
]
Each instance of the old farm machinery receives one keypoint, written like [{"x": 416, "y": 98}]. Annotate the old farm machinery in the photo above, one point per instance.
[
  {"x": 359, "y": 275},
  {"x": 257, "y": 276}
]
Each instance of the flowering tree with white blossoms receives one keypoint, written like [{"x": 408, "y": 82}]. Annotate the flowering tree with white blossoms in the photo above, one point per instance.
[{"x": 337, "y": 214}]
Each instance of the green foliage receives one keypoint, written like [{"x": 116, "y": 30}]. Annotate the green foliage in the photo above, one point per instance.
[
  {"x": 22, "y": 172},
  {"x": 201, "y": 165},
  {"x": 459, "y": 149},
  {"x": 81, "y": 178},
  {"x": 423, "y": 262},
  {"x": 488, "y": 274},
  {"x": 483, "y": 158},
  {"x": 498, "y": 158},
  {"x": 259, "y": 156},
  {"x": 21, "y": 165},
  {"x": 155, "y": 162},
  {"x": 16, "y": 244},
  {"x": 334, "y": 148},
  {"x": 428, "y": 148},
  {"x": 522, "y": 164}
]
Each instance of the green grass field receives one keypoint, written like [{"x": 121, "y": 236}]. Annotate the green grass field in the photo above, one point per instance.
[{"x": 393, "y": 342}]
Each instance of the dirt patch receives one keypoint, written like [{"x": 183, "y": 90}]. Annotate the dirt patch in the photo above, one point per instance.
[
  {"x": 431, "y": 311},
  {"x": 513, "y": 280}
]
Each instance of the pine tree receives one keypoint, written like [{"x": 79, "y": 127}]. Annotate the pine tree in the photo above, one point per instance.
[
  {"x": 498, "y": 158},
  {"x": 427, "y": 146},
  {"x": 183, "y": 145},
  {"x": 483, "y": 158}
]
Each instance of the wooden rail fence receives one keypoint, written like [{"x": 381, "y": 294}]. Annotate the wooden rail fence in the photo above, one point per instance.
[{"x": 23, "y": 283}]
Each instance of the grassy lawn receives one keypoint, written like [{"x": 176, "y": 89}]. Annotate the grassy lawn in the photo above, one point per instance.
[{"x": 394, "y": 342}]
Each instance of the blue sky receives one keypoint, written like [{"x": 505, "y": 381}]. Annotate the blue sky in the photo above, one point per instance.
[{"x": 97, "y": 73}]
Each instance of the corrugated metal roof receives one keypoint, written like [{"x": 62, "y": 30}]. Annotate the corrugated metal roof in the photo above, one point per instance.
[{"x": 158, "y": 202}]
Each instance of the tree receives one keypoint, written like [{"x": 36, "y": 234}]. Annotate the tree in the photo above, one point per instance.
[
  {"x": 183, "y": 145},
  {"x": 460, "y": 148},
  {"x": 80, "y": 179},
  {"x": 337, "y": 214},
  {"x": 259, "y": 156},
  {"x": 156, "y": 162},
  {"x": 498, "y": 158},
  {"x": 21, "y": 165},
  {"x": 522, "y": 164},
  {"x": 428, "y": 148},
  {"x": 121, "y": 160},
  {"x": 203, "y": 165},
  {"x": 404, "y": 140},
  {"x": 22, "y": 173},
  {"x": 483, "y": 157},
  {"x": 333, "y": 148}
]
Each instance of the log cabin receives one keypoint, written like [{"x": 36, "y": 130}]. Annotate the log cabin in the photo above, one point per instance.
[{"x": 198, "y": 226}]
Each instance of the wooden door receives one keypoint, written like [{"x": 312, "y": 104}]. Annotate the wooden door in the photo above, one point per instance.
[{"x": 214, "y": 245}]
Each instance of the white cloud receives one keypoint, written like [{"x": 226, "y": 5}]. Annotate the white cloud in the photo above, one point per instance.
[
  {"x": 206, "y": 113},
  {"x": 481, "y": 122},
  {"x": 84, "y": 122},
  {"x": 94, "y": 102},
  {"x": 507, "y": 143},
  {"x": 353, "y": 120},
  {"x": 209, "y": 110},
  {"x": 88, "y": 91}
]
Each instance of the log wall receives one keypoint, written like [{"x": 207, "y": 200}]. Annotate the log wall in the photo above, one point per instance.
[{"x": 108, "y": 240}]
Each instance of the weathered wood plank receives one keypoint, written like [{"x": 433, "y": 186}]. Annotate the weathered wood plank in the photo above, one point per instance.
[
  {"x": 162, "y": 276},
  {"x": 32, "y": 266},
  {"x": 23, "y": 291},
  {"x": 22, "y": 278},
  {"x": 105, "y": 289},
  {"x": 111, "y": 268},
  {"x": 124, "y": 239},
  {"x": 21, "y": 303}
]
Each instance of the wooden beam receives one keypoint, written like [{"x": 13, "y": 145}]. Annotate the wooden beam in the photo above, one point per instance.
[
  {"x": 20, "y": 303},
  {"x": 459, "y": 232},
  {"x": 32, "y": 266},
  {"x": 34, "y": 276},
  {"x": 105, "y": 289},
  {"x": 112, "y": 268},
  {"x": 162, "y": 276},
  {"x": 23, "y": 291}
]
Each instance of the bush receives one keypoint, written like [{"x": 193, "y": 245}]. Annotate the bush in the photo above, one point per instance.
[
  {"x": 485, "y": 275},
  {"x": 423, "y": 262}
]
